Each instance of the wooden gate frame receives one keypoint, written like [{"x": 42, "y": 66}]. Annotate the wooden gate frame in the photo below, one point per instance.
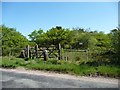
[{"x": 39, "y": 49}]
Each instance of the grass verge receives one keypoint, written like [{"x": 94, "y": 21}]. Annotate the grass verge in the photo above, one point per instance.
[{"x": 60, "y": 66}]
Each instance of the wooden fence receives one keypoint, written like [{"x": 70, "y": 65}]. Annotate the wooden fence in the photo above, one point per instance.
[
  {"x": 53, "y": 51},
  {"x": 48, "y": 51}
]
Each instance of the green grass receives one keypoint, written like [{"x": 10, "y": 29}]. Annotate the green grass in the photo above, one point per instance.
[
  {"x": 61, "y": 66},
  {"x": 12, "y": 62},
  {"x": 110, "y": 71},
  {"x": 74, "y": 56}
]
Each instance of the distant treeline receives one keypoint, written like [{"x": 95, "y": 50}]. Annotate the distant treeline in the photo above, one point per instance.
[{"x": 76, "y": 38}]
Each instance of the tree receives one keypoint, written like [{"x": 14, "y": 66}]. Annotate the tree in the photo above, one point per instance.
[
  {"x": 116, "y": 41},
  {"x": 57, "y": 35},
  {"x": 12, "y": 40},
  {"x": 35, "y": 34}
]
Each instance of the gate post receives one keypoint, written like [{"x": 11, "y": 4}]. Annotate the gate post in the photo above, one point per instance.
[
  {"x": 27, "y": 51},
  {"x": 36, "y": 51},
  {"x": 59, "y": 52},
  {"x": 45, "y": 54},
  {"x": 86, "y": 56}
]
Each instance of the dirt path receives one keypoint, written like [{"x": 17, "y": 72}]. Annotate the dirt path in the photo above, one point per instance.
[{"x": 66, "y": 76}]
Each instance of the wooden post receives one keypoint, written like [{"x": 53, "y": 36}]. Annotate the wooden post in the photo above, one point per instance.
[
  {"x": 27, "y": 51},
  {"x": 59, "y": 52},
  {"x": 45, "y": 54},
  {"x": 86, "y": 55},
  {"x": 30, "y": 54},
  {"x": 36, "y": 51},
  {"x": 66, "y": 58},
  {"x": 22, "y": 54}
]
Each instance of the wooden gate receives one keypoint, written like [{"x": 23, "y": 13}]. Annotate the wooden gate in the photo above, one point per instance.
[{"x": 37, "y": 51}]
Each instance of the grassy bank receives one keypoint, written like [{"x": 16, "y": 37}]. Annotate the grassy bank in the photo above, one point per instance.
[{"x": 89, "y": 69}]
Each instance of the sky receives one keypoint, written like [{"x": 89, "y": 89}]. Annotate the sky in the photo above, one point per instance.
[{"x": 29, "y": 16}]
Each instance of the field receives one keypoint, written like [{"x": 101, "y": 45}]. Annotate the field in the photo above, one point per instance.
[{"x": 74, "y": 56}]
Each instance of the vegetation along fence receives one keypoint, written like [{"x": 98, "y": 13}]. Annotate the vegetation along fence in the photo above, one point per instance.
[
  {"x": 59, "y": 53},
  {"x": 52, "y": 51}
]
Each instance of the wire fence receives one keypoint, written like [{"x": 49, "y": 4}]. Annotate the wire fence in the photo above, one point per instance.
[{"x": 74, "y": 55}]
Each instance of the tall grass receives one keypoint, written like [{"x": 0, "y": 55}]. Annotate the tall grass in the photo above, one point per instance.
[{"x": 89, "y": 69}]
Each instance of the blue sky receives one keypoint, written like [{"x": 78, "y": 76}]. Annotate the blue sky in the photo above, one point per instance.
[{"x": 29, "y": 16}]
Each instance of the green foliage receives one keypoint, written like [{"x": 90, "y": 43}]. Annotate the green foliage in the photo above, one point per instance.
[
  {"x": 92, "y": 68},
  {"x": 8, "y": 62},
  {"x": 104, "y": 49},
  {"x": 12, "y": 40},
  {"x": 77, "y": 38},
  {"x": 57, "y": 36},
  {"x": 53, "y": 61},
  {"x": 35, "y": 35},
  {"x": 116, "y": 42},
  {"x": 109, "y": 70},
  {"x": 12, "y": 62},
  {"x": 99, "y": 44},
  {"x": 72, "y": 38}
]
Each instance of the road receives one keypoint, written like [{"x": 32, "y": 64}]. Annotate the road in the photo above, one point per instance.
[{"x": 18, "y": 79}]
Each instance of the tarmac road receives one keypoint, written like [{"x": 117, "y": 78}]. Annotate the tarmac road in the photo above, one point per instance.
[{"x": 12, "y": 79}]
